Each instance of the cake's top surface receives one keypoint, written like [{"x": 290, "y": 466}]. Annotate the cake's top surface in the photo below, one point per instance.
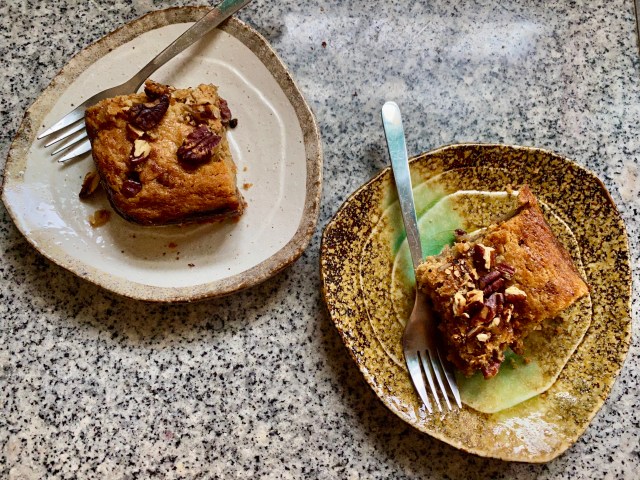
[
  {"x": 492, "y": 290},
  {"x": 163, "y": 155}
]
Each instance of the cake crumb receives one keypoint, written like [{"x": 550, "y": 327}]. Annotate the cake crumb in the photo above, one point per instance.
[
  {"x": 172, "y": 245},
  {"x": 247, "y": 186},
  {"x": 191, "y": 265},
  {"x": 99, "y": 218}
]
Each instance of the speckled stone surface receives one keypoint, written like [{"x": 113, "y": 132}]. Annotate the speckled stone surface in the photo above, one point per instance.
[{"x": 259, "y": 384}]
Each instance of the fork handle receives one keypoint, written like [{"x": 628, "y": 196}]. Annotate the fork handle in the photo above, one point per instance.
[
  {"x": 394, "y": 131},
  {"x": 212, "y": 19}
]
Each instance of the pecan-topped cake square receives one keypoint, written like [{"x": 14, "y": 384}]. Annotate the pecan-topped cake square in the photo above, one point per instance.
[
  {"x": 163, "y": 156},
  {"x": 491, "y": 291}
]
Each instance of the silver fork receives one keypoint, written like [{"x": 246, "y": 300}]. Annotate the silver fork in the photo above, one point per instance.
[
  {"x": 421, "y": 352},
  {"x": 71, "y": 126}
]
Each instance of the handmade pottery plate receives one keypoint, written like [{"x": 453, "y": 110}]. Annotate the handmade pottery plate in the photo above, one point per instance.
[
  {"x": 573, "y": 360},
  {"x": 276, "y": 147}
]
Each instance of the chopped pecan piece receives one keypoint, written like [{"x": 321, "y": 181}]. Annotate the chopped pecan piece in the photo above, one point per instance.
[
  {"x": 491, "y": 370},
  {"x": 202, "y": 112},
  {"x": 139, "y": 152},
  {"x": 483, "y": 337},
  {"x": 489, "y": 278},
  {"x": 494, "y": 286},
  {"x": 514, "y": 295},
  {"x": 459, "y": 302},
  {"x": 155, "y": 90},
  {"x": 131, "y": 187},
  {"x": 499, "y": 302},
  {"x": 133, "y": 133},
  {"x": 483, "y": 316},
  {"x": 507, "y": 270},
  {"x": 483, "y": 256},
  {"x": 148, "y": 115},
  {"x": 89, "y": 185},
  {"x": 225, "y": 112}
]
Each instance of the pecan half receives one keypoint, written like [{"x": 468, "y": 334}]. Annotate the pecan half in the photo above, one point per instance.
[
  {"x": 147, "y": 115},
  {"x": 198, "y": 147}
]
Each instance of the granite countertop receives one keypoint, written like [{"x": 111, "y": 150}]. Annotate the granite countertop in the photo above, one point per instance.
[{"x": 258, "y": 384}]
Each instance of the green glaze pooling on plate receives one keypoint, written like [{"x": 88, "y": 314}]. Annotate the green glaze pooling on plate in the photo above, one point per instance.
[
  {"x": 425, "y": 195},
  {"x": 467, "y": 210},
  {"x": 516, "y": 382}
]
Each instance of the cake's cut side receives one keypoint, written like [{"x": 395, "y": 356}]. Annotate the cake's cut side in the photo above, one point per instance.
[
  {"x": 163, "y": 155},
  {"x": 491, "y": 291}
]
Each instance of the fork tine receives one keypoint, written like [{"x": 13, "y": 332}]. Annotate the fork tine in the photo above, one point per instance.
[
  {"x": 436, "y": 364},
  {"x": 413, "y": 364},
  {"x": 427, "y": 373},
  {"x": 453, "y": 386},
  {"x": 72, "y": 117},
  {"x": 76, "y": 151},
  {"x": 66, "y": 133},
  {"x": 69, "y": 143}
]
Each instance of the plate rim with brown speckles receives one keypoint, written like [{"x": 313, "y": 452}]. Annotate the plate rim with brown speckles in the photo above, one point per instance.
[{"x": 587, "y": 207}]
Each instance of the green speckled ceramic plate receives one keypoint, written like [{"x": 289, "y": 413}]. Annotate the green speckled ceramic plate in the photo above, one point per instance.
[{"x": 574, "y": 360}]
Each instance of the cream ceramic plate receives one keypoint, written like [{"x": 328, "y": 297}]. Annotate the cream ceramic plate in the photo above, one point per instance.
[
  {"x": 368, "y": 301},
  {"x": 276, "y": 147}
]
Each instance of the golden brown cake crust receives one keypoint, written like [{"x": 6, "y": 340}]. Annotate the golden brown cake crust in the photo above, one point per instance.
[
  {"x": 148, "y": 178},
  {"x": 492, "y": 291}
]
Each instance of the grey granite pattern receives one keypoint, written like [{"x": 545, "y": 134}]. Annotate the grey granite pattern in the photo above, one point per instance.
[{"x": 259, "y": 384}]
